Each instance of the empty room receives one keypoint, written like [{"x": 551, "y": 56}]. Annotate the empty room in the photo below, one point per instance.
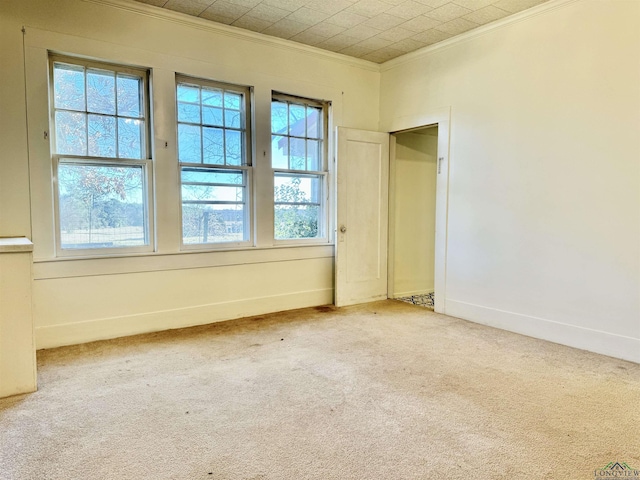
[{"x": 319, "y": 239}]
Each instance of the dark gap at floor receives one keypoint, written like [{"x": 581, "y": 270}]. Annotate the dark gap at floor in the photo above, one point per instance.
[{"x": 426, "y": 300}]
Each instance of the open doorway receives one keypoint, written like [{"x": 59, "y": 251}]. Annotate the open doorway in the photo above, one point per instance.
[{"x": 412, "y": 216}]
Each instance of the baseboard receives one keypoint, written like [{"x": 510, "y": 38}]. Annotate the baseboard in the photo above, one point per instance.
[
  {"x": 114, "y": 327},
  {"x": 618, "y": 346},
  {"x": 413, "y": 292}
]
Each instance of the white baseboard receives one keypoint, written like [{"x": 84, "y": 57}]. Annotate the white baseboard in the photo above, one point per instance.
[
  {"x": 618, "y": 346},
  {"x": 106, "y": 328},
  {"x": 413, "y": 292}
]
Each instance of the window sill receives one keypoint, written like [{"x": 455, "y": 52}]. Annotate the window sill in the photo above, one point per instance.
[{"x": 66, "y": 267}]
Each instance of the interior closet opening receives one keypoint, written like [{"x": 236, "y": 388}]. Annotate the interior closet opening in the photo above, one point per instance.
[{"x": 412, "y": 214}]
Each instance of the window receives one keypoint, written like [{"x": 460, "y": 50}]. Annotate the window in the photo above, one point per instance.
[
  {"x": 298, "y": 156},
  {"x": 215, "y": 162},
  {"x": 100, "y": 156}
]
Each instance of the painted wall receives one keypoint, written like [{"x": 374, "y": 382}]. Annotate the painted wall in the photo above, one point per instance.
[
  {"x": 544, "y": 188},
  {"x": 414, "y": 213},
  {"x": 86, "y": 299}
]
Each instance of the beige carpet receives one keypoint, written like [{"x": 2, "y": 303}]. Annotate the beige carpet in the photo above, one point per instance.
[{"x": 382, "y": 391}]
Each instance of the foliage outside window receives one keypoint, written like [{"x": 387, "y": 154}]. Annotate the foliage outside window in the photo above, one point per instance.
[
  {"x": 213, "y": 135},
  {"x": 298, "y": 146},
  {"x": 100, "y": 121}
]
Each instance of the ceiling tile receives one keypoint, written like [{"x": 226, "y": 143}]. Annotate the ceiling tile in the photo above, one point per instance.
[
  {"x": 434, "y": 3},
  {"x": 420, "y": 24},
  {"x": 252, "y": 23},
  {"x": 384, "y": 21},
  {"x": 222, "y": 8},
  {"x": 329, "y": 6},
  {"x": 307, "y": 16},
  {"x": 290, "y": 5},
  {"x": 473, "y": 4},
  {"x": 486, "y": 15},
  {"x": 362, "y": 32},
  {"x": 369, "y": 8},
  {"x": 396, "y": 34},
  {"x": 383, "y": 54},
  {"x": 430, "y": 37},
  {"x": 339, "y": 42},
  {"x": 516, "y": 5},
  {"x": 456, "y": 26},
  {"x": 308, "y": 38},
  {"x": 190, "y": 7},
  {"x": 408, "y": 45},
  {"x": 268, "y": 13},
  {"x": 356, "y": 50},
  {"x": 214, "y": 17},
  {"x": 409, "y": 9},
  {"x": 448, "y": 12},
  {"x": 375, "y": 43},
  {"x": 347, "y": 19},
  {"x": 285, "y": 28},
  {"x": 326, "y": 29},
  {"x": 247, "y": 3}
]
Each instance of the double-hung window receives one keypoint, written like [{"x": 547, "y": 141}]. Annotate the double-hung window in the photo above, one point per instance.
[
  {"x": 101, "y": 158},
  {"x": 299, "y": 162},
  {"x": 215, "y": 162}
]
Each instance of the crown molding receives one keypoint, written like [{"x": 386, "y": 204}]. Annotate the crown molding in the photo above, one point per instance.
[
  {"x": 235, "y": 32},
  {"x": 476, "y": 32}
]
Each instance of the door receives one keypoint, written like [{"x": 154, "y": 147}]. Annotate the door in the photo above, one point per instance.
[{"x": 362, "y": 216}]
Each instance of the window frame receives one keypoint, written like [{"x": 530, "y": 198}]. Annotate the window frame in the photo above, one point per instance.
[
  {"x": 246, "y": 167},
  {"x": 323, "y": 174},
  {"x": 145, "y": 162}
]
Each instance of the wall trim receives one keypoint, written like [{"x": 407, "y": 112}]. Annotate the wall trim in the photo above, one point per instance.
[
  {"x": 482, "y": 30},
  {"x": 231, "y": 31},
  {"x": 413, "y": 292},
  {"x": 618, "y": 346},
  {"x": 107, "y": 328}
]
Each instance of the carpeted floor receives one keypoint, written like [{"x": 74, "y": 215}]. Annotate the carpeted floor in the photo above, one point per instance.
[{"x": 385, "y": 390}]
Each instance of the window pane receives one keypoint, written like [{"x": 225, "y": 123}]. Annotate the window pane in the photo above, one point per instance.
[
  {"x": 314, "y": 122},
  {"x": 313, "y": 155},
  {"x": 102, "y": 136},
  {"x": 101, "y": 206},
  {"x": 297, "y": 123},
  {"x": 189, "y": 144},
  {"x": 188, "y": 112},
  {"x": 213, "y": 147},
  {"x": 212, "y": 116},
  {"x": 279, "y": 118},
  {"x": 232, "y": 100},
  {"x": 296, "y": 221},
  {"x": 212, "y": 176},
  {"x": 68, "y": 81},
  {"x": 130, "y": 138},
  {"x": 233, "y": 146},
  {"x": 71, "y": 133},
  {"x": 212, "y": 193},
  {"x": 279, "y": 151},
  {"x": 101, "y": 91},
  {"x": 129, "y": 98},
  {"x": 213, "y": 223},
  {"x": 232, "y": 119},
  {"x": 290, "y": 188},
  {"x": 297, "y": 154},
  {"x": 188, "y": 93},
  {"x": 212, "y": 97}
]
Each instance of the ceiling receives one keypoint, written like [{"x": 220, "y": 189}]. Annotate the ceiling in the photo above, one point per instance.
[{"x": 374, "y": 30}]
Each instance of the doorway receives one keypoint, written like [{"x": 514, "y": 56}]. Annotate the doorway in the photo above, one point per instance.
[{"x": 412, "y": 215}]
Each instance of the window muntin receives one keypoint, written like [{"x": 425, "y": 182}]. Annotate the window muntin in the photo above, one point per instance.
[
  {"x": 298, "y": 156},
  {"x": 101, "y": 170},
  {"x": 214, "y": 157}
]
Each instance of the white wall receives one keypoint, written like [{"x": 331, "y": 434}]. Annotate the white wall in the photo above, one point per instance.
[
  {"x": 544, "y": 188},
  {"x": 414, "y": 213},
  {"x": 85, "y": 299}
]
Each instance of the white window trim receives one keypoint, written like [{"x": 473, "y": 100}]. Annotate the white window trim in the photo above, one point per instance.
[
  {"x": 146, "y": 163},
  {"x": 325, "y": 174},
  {"x": 247, "y": 167}
]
